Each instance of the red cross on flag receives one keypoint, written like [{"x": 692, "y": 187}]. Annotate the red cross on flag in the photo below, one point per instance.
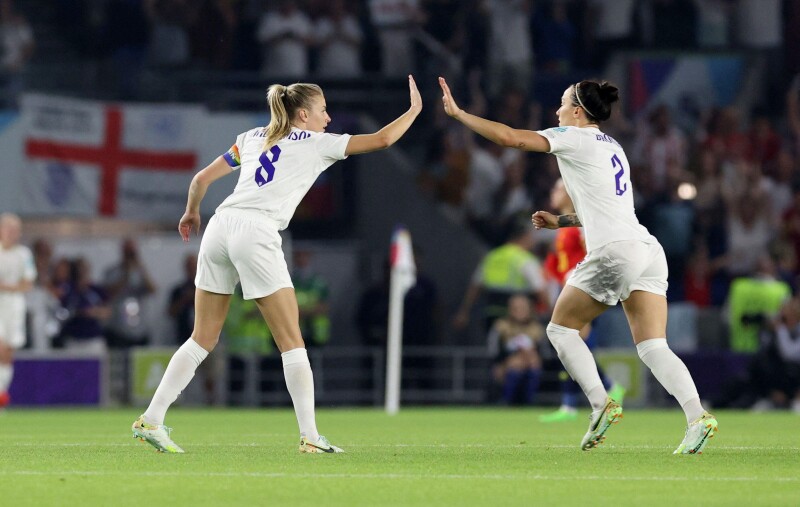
[{"x": 133, "y": 161}]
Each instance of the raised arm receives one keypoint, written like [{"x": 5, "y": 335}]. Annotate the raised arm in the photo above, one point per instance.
[
  {"x": 389, "y": 134},
  {"x": 197, "y": 190},
  {"x": 498, "y": 133}
]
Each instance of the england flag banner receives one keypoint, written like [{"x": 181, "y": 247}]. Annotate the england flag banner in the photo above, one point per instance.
[{"x": 89, "y": 158}]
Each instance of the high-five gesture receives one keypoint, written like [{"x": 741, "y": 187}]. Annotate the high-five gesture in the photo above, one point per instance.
[
  {"x": 416, "y": 99},
  {"x": 450, "y": 106}
]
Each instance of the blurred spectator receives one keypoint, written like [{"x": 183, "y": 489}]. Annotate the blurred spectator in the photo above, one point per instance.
[
  {"x": 42, "y": 304},
  {"x": 512, "y": 200},
  {"x": 312, "y": 300},
  {"x": 612, "y": 22},
  {"x": 445, "y": 20},
  {"x": 169, "y": 32},
  {"x": 127, "y": 285},
  {"x": 709, "y": 205},
  {"x": 485, "y": 179},
  {"x": 555, "y": 38},
  {"x": 510, "y": 46},
  {"x": 780, "y": 379},
  {"x": 672, "y": 226},
  {"x": 17, "y": 48},
  {"x": 773, "y": 375},
  {"x": 396, "y": 21},
  {"x": 508, "y": 269},
  {"x": 181, "y": 301},
  {"x": 213, "y": 33},
  {"x": 285, "y": 34},
  {"x": 87, "y": 309},
  {"x": 669, "y": 24},
  {"x": 126, "y": 33},
  {"x": 765, "y": 143},
  {"x": 714, "y": 23},
  {"x": 723, "y": 134},
  {"x": 476, "y": 46},
  {"x": 793, "y": 111},
  {"x": 513, "y": 341},
  {"x": 17, "y": 274},
  {"x": 248, "y": 342},
  {"x": 760, "y": 29},
  {"x": 697, "y": 278},
  {"x": 790, "y": 223},
  {"x": 749, "y": 222},
  {"x": 420, "y": 309},
  {"x": 662, "y": 148},
  {"x": 781, "y": 183},
  {"x": 339, "y": 37},
  {"x": 751, "y": 300}
]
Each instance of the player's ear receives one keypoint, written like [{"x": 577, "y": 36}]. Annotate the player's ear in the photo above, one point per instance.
[{"x": 303, "y": 115}]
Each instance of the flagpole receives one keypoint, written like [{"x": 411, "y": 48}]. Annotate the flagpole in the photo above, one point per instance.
[{"x": 403, "y": 277}]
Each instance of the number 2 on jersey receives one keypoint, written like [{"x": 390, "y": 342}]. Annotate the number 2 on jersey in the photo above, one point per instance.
[
  {"x": 621, "y": 187},
  {"x": 267, "y": 166}
]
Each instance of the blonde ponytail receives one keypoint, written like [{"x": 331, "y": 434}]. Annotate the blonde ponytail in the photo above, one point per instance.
[{"x": 284, "y": 102}]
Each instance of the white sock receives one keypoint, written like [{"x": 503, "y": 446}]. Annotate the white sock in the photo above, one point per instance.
[
  {"x": 579, "y": 363},
  {"x": 180, "y": 372},
  {"x": 6, "y": 374},
  {"x": 671, "y": 373},
  {"x": 300, "y": 383}
]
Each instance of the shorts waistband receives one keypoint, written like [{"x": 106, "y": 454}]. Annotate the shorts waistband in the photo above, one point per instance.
[{"x": 256, "y": 215}]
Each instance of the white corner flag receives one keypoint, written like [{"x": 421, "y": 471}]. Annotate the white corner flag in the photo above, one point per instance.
[{"x": 403, "y": 277}]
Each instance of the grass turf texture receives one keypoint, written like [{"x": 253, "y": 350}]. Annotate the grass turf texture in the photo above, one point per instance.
[{"x": 420, "y": 457}]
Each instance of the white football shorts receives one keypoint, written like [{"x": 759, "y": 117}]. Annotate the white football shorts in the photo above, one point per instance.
[
  {"x": 610, "y": 273},
  {"x": 12, "y": 321},
  {"x": 242, "y": 245}
]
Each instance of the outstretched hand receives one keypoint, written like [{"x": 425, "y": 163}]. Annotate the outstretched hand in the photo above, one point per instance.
[
  {"x": 450, "y": 106},
  {"x": 188, "y": 222},
  {"x": 544, "y": 220},
  {"x": 416, "y": 98}
]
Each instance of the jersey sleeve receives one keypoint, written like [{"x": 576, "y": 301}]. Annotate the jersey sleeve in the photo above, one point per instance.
[
  {"x": 331, "y": 147},
  {"x": 562, "y": 139},
  {"x": 233, "y": 156}
]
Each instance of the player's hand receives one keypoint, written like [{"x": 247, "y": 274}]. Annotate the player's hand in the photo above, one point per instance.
[
  {"x": 189, "y": 221},
  {"x": 544, "y": 220},
  {"x": 416, "y": 98},
  {"x": 450, "y": 106}
]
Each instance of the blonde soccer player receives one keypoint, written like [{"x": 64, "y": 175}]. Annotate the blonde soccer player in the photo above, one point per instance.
[{"x": 277, "y": 165}]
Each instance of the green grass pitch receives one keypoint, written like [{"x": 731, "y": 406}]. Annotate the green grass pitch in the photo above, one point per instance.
[{"x": 422, "y": 456}]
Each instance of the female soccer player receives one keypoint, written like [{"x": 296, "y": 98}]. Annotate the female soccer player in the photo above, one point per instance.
[
  {"x": 278, "y": 164},
  {"x": 624, "y": 262},
  {"x": 568, "y": 250}
]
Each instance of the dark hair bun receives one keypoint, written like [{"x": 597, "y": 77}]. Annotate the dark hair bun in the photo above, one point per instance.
[
  {"x": 596, "y": 98},
  {"x": 608, "y": 93}
]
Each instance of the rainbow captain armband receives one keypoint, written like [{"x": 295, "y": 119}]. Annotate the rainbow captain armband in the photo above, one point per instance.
[{"x": 232, "y": 157}]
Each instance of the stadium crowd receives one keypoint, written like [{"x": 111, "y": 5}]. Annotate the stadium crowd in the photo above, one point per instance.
[{"x": 718, "y": 186}]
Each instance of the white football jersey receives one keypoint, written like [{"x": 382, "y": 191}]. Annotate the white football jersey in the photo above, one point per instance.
[
  {"x": 16, "y": 265},
  {"x": 596, "y": 175},
  {"x": 276, "y": 181}
]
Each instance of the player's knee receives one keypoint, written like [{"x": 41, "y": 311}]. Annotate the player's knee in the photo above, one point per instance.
[{"x": 206, "y": 340}]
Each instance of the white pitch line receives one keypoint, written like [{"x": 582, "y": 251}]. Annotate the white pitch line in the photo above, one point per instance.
[
  {"x": 283, "y": 475},
  {"x": 399, "y": 446}
]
